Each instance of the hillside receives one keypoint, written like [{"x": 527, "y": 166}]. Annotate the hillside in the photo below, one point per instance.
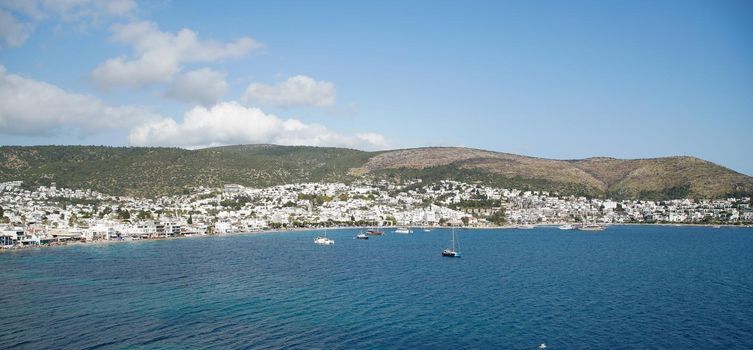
[
  {"x": 657, "y": 178},
  {"x": 156, "y": 171}
]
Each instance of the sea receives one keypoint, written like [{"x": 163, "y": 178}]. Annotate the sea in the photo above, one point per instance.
[{"x": 628, "y": 287}]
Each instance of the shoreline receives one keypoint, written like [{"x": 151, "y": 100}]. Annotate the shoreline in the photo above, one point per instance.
[{"x": 315, "y": 229}]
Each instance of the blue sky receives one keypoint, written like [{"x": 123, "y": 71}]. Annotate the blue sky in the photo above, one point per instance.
[{"x": 554, "y": 79}]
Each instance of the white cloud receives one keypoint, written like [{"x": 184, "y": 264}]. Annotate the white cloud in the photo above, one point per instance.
[
  {"x": 28, "y": 8},
  {"x": 378, "y": 140},
  {"x": 231, "y": 123},
  {"x": 159, "y": 55},
  {"x": 17, "y": 23},
  {"x": 150, "y": 68},
  {"x": 32, "y": 107},
  {"x": 299, "y": 90},
  {"x": 120, "y": 7},
  {"x": 73, "y": 10},
  {"x": 201, "y": 86},
  {"x": 12, "y": 32}
]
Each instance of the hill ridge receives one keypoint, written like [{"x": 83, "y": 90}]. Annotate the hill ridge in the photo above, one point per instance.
[{"x": 154, "y": 171}]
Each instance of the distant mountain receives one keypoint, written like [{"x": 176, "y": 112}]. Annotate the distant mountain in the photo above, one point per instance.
[{"x": 164, "y": 171}]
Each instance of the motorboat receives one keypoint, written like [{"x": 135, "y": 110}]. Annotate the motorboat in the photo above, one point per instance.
[{"x": 591, "y": 227}]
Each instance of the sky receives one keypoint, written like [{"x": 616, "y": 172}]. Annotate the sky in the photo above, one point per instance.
[{"x": 552, "y": 79}]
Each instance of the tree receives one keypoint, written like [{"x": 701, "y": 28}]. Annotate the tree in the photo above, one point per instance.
[
  {"x": 72, "y": 220},
  {"x": 123, "y": 214},
  {"x": 391, "y": 219},
  {"x": 465, "y": 220},
  {"x": 2, "y": 212},
  {"x": 190, "y": 220},
  {"x": 275, "y": 225},
  {"x": 498, "y": 218}
]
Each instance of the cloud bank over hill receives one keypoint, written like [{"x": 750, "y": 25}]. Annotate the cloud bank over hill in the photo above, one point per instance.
[
  {"x": 231, "y": 123},
  {"x": 33, "y": 107}
]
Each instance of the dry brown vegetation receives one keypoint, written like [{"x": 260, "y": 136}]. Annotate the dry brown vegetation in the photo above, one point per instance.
[{"x": 639, "y": 178}]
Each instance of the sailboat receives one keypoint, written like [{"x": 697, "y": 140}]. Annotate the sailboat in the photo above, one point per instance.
[
  {"x": 374, "y": 232},
  {"x": 323, "y": 240},
  {"x": 451, "y": 252}
]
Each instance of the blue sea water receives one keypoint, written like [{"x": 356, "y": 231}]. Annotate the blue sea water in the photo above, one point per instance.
[{"x": 629, "y": 287}]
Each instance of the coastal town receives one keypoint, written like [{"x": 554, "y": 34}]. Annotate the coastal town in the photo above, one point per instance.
[{"x": 49, "y": 215}]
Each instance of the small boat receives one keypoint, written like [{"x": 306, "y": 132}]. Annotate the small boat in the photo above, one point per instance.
[
  {"x": 427, "y": 230},
  {"x": 542, "y": 346},
  {"x": 591, "y": 227},
  {"x": 567, "y": 227},
  {"x": 323, "y": 240},
  {"x": 361, "y": 236},
  {"x": 451, "y": 252},
  {"x": 374, "y": 232},
  {"x": 403, "y": 230}
]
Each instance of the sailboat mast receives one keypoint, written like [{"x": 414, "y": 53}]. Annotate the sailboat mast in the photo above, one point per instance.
[{"x": 453, "y": 238}]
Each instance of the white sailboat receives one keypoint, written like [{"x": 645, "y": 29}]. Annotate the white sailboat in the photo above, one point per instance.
[
  {"x": 451, "y": 252},
  {"x": 323, "y": 240}
]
